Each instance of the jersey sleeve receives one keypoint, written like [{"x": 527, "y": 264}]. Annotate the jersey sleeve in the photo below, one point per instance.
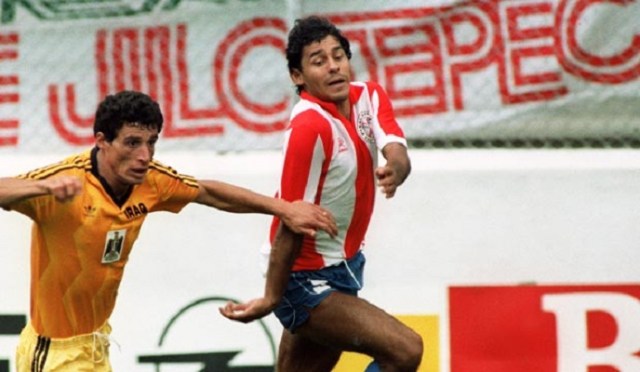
[
  {"x": 387, "y": 129},
  {"x": 41, "y": 208},
  {"x": 38, "y": 208},
  {"x": 175, "y": 190},
  {"x": 307, "y": 143}
]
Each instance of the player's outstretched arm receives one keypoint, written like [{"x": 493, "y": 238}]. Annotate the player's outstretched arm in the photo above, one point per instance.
[
  {"x": 395, "y": 171},
  {"x": 285, "y": 249},
  {"x": 63, "y": 188},
  {"x": 299, "y": 216}
]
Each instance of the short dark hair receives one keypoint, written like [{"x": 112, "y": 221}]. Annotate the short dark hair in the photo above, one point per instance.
[
  {"x": 309, "y": 30},
  {"x": 126, "y": 107}
]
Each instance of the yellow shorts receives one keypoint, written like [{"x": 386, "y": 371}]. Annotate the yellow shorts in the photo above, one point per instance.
[{"x": 88, "y": 352}]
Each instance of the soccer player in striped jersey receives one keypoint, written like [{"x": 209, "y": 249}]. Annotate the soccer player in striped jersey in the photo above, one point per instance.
[
  {"x": 331, "y": 147},
  {"x": 88, "y": 210}
]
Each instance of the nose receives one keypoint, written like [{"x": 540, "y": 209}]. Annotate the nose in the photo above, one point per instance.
[
  {"x": 333, "y": 65},
  {"x": 145, "y": 153}
]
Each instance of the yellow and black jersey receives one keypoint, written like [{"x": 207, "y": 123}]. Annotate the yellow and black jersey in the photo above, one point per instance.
[{"x": 79, "y": 248}]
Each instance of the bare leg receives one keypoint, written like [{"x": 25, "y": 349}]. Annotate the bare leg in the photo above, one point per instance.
[
  {"x": 299, "y": 353},
  {"x": 344, "y": 322}
]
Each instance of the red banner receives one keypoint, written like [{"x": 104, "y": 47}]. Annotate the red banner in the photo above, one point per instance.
[{"x": 572, "y": 328}]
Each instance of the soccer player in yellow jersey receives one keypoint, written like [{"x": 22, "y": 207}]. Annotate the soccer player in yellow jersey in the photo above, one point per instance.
[{"x": 87, "y": 212}]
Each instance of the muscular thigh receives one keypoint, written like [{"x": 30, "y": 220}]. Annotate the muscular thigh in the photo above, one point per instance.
[
  {"x": 299, "y": 353},
  {"x": 349, "y": 323}
]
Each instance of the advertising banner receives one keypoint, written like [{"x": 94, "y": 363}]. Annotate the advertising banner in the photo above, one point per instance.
[
  {"x": 566, "y": 328},
  {"x": 455, "y": 70}
]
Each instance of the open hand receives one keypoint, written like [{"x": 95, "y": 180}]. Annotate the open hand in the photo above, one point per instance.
[
  {"x": 306, "y": 218},
  {"x": 247, "y": 312}
]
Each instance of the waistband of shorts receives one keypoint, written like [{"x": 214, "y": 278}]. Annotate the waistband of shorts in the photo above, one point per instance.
[{"x": 102, "y": 332}]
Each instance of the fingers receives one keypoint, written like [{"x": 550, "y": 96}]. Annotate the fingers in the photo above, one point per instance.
[
  {"x": 329, "y": 224},
  {"x": 244, "y": 313},
  {"x": 387, "y": 181},
  {"x": 311, "y": 219},
  {"x": 309, "y": 232},
  {"x": 389, "y": 192},
  {"x": 232, "y": 310},
  {"x": 63, "y": 188}
]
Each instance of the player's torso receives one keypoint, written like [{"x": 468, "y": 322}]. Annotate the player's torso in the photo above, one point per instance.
[
  {"x": 346, "y": 185},
  {"x": 79, "y": 252}
]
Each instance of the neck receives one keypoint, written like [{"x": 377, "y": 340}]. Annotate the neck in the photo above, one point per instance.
[{"x": 345, "y": 109}]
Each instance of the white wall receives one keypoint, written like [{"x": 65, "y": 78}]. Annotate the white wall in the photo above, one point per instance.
[{"x": 463, "y": 217}]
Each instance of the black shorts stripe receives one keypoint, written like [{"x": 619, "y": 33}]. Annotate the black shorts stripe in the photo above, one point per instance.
[
  {"x": 36, "y": 354},
  {"x": 40, "y": 354},
  {"x": 43, "y": 359}
]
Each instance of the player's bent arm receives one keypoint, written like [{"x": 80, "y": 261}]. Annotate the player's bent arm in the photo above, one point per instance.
[
  {"x": 231, "y": 198},
  {"x": 15, "y": 189},
  {"x": 285, "y": 249},
  {"x": 301, "y": 217}
]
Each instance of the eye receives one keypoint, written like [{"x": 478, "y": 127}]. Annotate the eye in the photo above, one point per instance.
[
  {"x": 317, "y": 61},
  {"x": 339, "y": 54},
  {"x": 132, "y": 143}
]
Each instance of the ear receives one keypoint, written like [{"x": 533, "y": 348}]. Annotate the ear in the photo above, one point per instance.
[
  {"x": 296, "y": 77},
  {"x": 101, "y": 140}
]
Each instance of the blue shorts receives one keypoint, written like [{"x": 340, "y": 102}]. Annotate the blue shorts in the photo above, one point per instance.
[{"x": 306, "y": 289}]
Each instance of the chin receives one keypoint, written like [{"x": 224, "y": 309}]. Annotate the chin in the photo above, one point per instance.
[{"x": 136, "y": 180}]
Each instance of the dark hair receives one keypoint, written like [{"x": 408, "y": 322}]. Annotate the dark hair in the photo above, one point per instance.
[
  {"x": 309, "y": 30},
  {"x": 126, "y": 107}
]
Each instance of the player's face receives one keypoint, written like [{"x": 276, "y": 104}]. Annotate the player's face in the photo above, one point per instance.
[
  {"x": 326, "y": 71},
  {"x": 125, "y": 160}
]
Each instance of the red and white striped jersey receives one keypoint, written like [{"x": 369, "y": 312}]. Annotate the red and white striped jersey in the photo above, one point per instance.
[{"x": 330, "y": 161}]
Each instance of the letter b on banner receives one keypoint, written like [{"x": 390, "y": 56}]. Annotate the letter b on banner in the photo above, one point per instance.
[
  {"x": 554, "y": 328},
  {"x": 571, "y": 311}
]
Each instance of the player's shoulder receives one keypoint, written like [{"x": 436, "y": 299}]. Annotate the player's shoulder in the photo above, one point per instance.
[
  {"x": 76, "y": 164},
  {"x": 159, "y": 171},
  {"x": 311, "y": 121},
  {"x": 306, "y": 111},
  {"x": 369, "y": 86},
  {"x": 158, "y": 166}
]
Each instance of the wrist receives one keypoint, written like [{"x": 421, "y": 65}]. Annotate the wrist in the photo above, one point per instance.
[
  {"x": 271, "y": 301},
  {"x": 280, "y": 208}
]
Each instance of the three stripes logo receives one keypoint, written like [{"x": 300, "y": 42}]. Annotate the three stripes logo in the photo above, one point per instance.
[{"x": 40, "y": 354}]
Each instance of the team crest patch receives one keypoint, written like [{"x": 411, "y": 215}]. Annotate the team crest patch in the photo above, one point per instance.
[
  {"x": 364, "y": 126},
  {"x": 113, "y": 246}
]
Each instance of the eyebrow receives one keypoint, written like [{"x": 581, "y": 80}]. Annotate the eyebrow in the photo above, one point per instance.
[
  {"x": 320, "y": 51},
  {"x": 139, "y": 137}
]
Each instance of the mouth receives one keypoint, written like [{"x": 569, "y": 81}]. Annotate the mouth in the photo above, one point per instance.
[
  {"x": 139, "y": 172},
  {"x": 336, "y": 82}
]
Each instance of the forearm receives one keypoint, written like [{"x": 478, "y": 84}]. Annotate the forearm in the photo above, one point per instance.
[
  {"x": 286, "y": 247},
  {"x": 299, "y": 216},
  {"x": 284, "y": 251},
  {"x": 15, "y": 189},
  {"x": 231, "y": 198}
]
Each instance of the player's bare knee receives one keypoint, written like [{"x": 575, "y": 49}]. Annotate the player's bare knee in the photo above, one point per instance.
[{"x": 409, "y": 353}]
